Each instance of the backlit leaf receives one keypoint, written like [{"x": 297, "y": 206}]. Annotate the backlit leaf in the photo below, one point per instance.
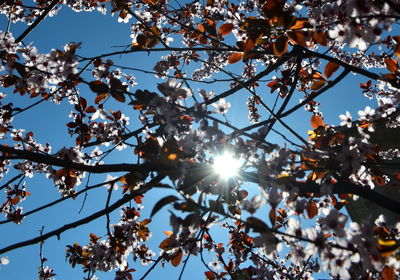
[
  {"x": 176, "y": 260},
  {"x": 168, "y": 233},
  {"x": 388, "y": 273},
  {"x": 316, "y": 121},
  {"x": 317, "y": 85},
  {"x": 94, "y": 238},
  {"x": 225, "y": 29},
  {"x": 367, "y": 85},
  {"x": 272, "y": 216},
  {"x": 151, "y": 2},
  {"x": 331, "y": 68},
  {"x": 235, "y": 57},
  {"x": 312, "y": 209},
  {"x": 392, "y": 65}
]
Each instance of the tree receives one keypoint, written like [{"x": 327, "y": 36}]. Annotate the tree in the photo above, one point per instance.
[{"x": 273, "y": 52}]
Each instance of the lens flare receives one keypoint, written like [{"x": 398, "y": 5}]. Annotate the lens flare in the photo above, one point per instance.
[{"x": 226, "y": 165}]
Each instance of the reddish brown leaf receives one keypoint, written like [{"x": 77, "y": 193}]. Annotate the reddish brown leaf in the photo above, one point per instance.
[
  {"x": 281, "y": 45},
  {"x": 317, "y": 85},
  {"x": 99, "y": 87},
  {"x": 176, "y": 260},
  {"x": 14, "y": 200},
  {"x": 164, "y": 244},
  {"x": 320, "y": 38},
  {"x": 94, "y": 238},
  {"x": 248, "y": 45},
  {"x": 316, "y": 121},
  {"x": 367, "y": 85},
  {"x": 256, "y": 224},
  {"x": 272, "y": 216},
  {"x": 225, "y": 29},
  {"x": 210, "y": 275},
  {"x": 273, "y": 5},
  {"x": 90, "y": 109},
  {"x": 392, "y": 65},
  {"x": 330, "y": 68},
  {"x": 119, "y": 96},
  {"x": 235, "y": 57},
  {"x": 312, "y": 209},
  {"x": 388, "y": 273}
]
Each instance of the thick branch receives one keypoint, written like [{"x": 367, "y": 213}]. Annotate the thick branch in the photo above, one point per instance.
[
  {"x": 341, "y": 187},
  {"x": 51, "y": 160}
]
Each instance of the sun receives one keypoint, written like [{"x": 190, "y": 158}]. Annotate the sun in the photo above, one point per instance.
[{"x": 226, "y": 165}]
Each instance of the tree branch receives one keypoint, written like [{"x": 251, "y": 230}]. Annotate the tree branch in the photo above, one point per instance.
[
  {"x": 75, "y": 224},
  {"x": 37, "y": 21}
]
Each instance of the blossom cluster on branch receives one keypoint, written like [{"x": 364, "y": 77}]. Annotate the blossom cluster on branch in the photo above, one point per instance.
[{"x": 285, "y": 50}]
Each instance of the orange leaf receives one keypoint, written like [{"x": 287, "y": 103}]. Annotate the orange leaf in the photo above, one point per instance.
[
  {"x": 145, "y": 222},
  {"x": 15, "y": 200},
  {"x": 388, "y": 273},
  {"x": 330, "y": 68},
  {"x": 312, "y": 209},
  {"x": 94, "y": 238},
  {"x": 392, "y": 65},
  {"x": 201, "y": 28},
  {"x": 168, "y": 233},
  {"x": 317, "y": 85},
  {"x": 235, "y": 57},
  {"x": 210, "y": 21},
  {"x": 300, "y": 22},
  {"x": 316, "y": 121},
  {"x": 318, "y": 76},
  {"x": 397, "y": 50},
  {"x": 280, "y": 45},
  {"x": 176, "y": 260},
  {"x": 367, "y": 85},
  {"x": 151, "y": 2},
  {"x": 100, "y": 97},
  {"x": 225, "y": 29}
]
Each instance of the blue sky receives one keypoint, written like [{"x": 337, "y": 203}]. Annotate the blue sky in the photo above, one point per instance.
[{"x": 99, "y": 33}]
